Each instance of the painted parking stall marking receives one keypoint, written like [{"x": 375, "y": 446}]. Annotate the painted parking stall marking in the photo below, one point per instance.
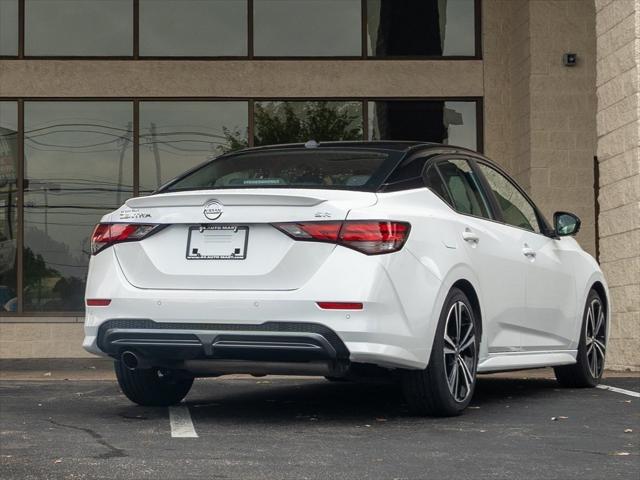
[
  {"x": 631, "y": 393},
  {"x": 181, "y": 424}
]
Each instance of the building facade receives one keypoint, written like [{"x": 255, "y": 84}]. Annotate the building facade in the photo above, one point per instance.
[{"x": 101, "y": 100}]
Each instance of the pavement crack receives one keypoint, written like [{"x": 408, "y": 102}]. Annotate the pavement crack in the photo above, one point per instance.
[{"x": 112, "y": 452}]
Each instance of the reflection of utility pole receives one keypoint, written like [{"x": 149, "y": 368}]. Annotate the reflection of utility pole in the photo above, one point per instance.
[
  {"x": 125, "y": 143},
  {"x": 156, "y": 154}
]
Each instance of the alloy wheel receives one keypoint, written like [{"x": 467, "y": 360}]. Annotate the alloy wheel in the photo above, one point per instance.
[
  {"x": 595, "y": 338},
  {"x": 460, "y": 351}
]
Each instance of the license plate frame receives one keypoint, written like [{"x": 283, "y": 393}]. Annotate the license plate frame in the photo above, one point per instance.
[{"x": 201, "y": 229}]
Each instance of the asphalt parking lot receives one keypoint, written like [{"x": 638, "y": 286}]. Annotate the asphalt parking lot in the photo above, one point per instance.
[{"x": 299, "y": 428}]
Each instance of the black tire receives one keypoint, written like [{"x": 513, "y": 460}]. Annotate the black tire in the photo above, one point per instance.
[
  {"x": 427, "y": 392},
  {"x": 152, "y": 387},
  {"x": 582, "y": 374}
]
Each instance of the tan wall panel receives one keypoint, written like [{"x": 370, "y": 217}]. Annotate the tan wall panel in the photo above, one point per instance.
[
  {"x": 41, "y": 340},
  {"x": 317, "y": 78}
]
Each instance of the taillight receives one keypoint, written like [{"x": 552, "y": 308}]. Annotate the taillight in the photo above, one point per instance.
[
  {"x": 372, "y": 237},
  {"x": 106, "y": 234}
]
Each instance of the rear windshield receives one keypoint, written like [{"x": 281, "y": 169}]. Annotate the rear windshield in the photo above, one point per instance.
[{"x": 329, "y": 169}]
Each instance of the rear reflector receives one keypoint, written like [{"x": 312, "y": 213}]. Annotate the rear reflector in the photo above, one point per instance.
[
  {"x": 371, "y": 237},
  {"x": 98, "y": 302},
  {"x": 340, "y": 305},
  {"x": 106, "y": 234}
]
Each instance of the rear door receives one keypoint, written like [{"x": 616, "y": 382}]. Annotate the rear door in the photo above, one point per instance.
[
  {"x": 490, "y": 248},
  {"x": 550, "y": 288}
]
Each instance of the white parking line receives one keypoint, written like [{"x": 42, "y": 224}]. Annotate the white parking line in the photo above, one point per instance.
[
  {"x": 631, "y": 393},
  {"x": 181, "y": 424}
]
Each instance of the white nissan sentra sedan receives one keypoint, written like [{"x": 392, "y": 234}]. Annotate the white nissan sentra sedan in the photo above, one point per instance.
[{"x": 423, "y": 261}]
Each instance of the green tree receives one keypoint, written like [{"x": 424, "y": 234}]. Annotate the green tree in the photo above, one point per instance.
[{"x": 281, "y": 122}]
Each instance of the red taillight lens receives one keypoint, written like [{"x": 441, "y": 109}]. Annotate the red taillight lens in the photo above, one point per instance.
[
  {"x": 106, "y": 234},
  {"x": 98, "y": 302},
  {"x": 372, "y": 237},
  {"x": 340, "y": 305}
]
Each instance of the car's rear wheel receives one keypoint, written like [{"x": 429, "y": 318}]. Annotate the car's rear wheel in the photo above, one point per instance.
[
  {"x": 152, "y": 386},
  {"x": 592, "y": 348},
  {"x": 446, "y": 386}
]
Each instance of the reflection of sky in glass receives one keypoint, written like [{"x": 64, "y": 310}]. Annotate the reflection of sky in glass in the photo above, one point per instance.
[
  {"x": 459, "y": 34},
  {"x": 463, "y": 134},
  {"x": 78, "y": 166},
  {"x": 79, "y": 27},
  {"x": 8, "y": 27},
  {"x": 176, "y": 136},
  {"x": 193, "y": 27},
  {"x": 307, "y": 28}
]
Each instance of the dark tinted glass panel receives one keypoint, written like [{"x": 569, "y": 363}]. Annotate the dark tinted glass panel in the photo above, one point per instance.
[
  {"x": 310, "y": 168},
  {"x": 9, "y": 27},
  {"x": 435, "y": 183},
  {"x": 307, "y": 28},
  {"x": 290, "y": 122},
  {"x": 8, "y": 168},
  {"x": 464, "y": 188},
  {"x": 193, "y": 27},
  {"x": 417, "y": 28},
  {"x": 79, "y": 27},
  {"x": 177, "y": 136},
  {"x": 452, "y": 123},
  {"x": 78, "y": 166},
  {"x": 516, "y": 209}
]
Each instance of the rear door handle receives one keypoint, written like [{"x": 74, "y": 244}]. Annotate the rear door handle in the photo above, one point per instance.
[
  {"x": 528, "y": 252},
  {"x": 469, "y": 236}
]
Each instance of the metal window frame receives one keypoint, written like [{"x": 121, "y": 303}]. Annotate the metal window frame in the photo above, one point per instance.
[
  {"x": 135, "y": 54},
  {"x": 135, "y": 103}
]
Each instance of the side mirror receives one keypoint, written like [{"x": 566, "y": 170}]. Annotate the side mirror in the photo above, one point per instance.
[{"x": 566, "y": 224}]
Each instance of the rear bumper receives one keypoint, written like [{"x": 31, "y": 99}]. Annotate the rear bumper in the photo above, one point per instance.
[
  {"x": 392, "y": 330},
  {"x": 270, "y": 341}
]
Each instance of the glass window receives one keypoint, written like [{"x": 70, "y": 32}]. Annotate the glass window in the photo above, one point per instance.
[
  {"x": 413, "y": 28},
  {"x": 464, "y": 188},
  {"x": 8, "y": 204},
  {"x": 79, "y": 27},
  {"x": 309, "y": 28},
  {"x": 516, "y": 209},
  {"x": 193, "y": 28},
  {"x": 78, "y": 167},
  {"x": 449, "y": 122},
  {"x": 9, "y": 27},
  {"x": 176, "y": 136},
  {"x": 435, "y": 183},
  {"x": 296, "y": 168},
  {"x": 299, "y": 121}
]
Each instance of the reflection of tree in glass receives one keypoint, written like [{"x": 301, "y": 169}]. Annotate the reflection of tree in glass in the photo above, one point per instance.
[{"x": 281, "y": 122}]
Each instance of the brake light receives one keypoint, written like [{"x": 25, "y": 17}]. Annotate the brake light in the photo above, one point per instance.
[
  {"x": 107, "y": 234},
  {"x": 371, "y": 237}
]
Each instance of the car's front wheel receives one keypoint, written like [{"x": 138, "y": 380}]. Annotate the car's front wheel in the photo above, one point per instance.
[
  {"x": 588, "y": 369},
  {"x": 153, "y": 387},
  {"x": 446, "y": 386}
]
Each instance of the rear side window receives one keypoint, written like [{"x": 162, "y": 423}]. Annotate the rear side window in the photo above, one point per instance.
[
  {"x": 463, "y": 187},
  {"x": 435, "y": 183},
  {"x": 294, "y": 168}
]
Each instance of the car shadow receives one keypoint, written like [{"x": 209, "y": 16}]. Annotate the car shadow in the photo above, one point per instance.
[{"x": 280, "y": 401}]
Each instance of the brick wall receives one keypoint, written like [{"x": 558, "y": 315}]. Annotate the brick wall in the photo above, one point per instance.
[{"x": 618, "y": 127}]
